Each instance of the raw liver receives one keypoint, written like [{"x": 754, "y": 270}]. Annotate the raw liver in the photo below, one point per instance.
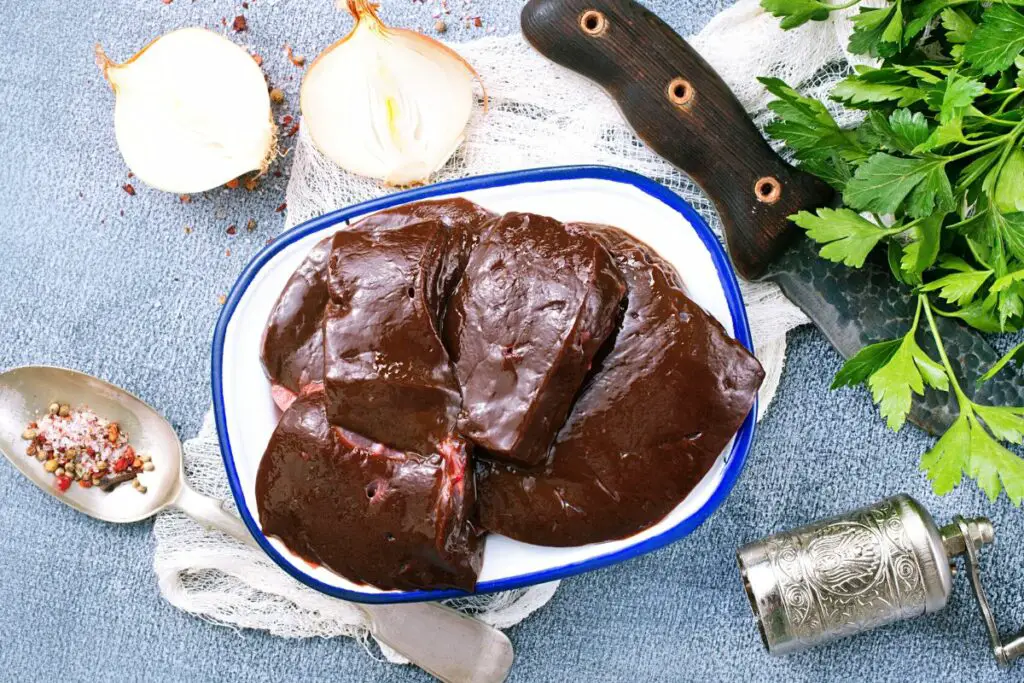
[
  {"x": 536, "y": 302},
  {"x": 663, "y": 403},
  {"x": 293, "y": 341},
  {"x": 387, "y": 376},
  {"x": 393, "y": 520}
]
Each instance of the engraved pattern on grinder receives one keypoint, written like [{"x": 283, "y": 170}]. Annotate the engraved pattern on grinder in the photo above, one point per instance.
[
  {"x": 849, "y": 575},
  {"x": 846, "y": 559}
]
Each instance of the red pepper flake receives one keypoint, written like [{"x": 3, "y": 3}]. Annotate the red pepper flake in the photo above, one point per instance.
[
  {"x": 227, "y": 252},
  {"x": 286, "y": 120},
  {"x": 296, "y": 60},
  {"x": 245, "y": 5},
  {"x": 130, "y": 174},
  {"x": 293, "y": 130},
  {"x": 185, "y": 198},
  {"x": 281, "y": 207},
  {"x": 270, "y": 240},
  {"x": 252, "y": 183},
  {"x": 478, "y": 22},
  {"x": 129, "y": 188},
  {"x": 256, "y": 58},
  {"x": 239, "y": 24},
  {"x": 277, "y": 173},
  {"x": 232, "y": 184},
  {"x": 221, "y": 299},
  {"x": 232, "y": 229},
  {"x": 167, "y": 2}
]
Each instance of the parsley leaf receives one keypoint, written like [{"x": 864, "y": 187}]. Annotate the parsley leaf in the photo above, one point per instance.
[
  {"x": 796, "y": 12},
  {"x": 998, "y": 40},
  {"x": 959, "y": 27},
  {"x": 848, "y": 237},
  {"x": 1016, "y": 354},
  {"x": 882, "y": 183},
  {"x": 968, "y": 447},
  {"x": 865, "y": 363},
  {"x": 959, "y": 288},
  {"x": 959, "y": 94},
  {"x": 1009, "y": 189},
  {"x": 907, "y": 371},
  {"x": 945, "y": 462}
]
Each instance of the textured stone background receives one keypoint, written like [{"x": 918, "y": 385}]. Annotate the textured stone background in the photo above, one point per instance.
[{"x": 111, "y": 284}]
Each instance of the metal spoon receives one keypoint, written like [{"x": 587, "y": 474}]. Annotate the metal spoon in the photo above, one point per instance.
[{"x": 445, "y": 643}]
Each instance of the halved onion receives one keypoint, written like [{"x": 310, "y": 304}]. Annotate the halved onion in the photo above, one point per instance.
[
  {"x": 387, "y": 103},
  {"x": 192, "y": 111}
]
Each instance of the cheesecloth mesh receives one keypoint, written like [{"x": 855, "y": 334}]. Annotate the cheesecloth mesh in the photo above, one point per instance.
[{"x": 540, "y": 115}]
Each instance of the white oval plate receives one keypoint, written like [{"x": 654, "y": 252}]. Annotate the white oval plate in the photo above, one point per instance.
[{"x": 246, "y": 414}]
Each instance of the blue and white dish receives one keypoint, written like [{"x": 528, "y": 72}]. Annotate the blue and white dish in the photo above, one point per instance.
[{"x": 246, "y": 415}]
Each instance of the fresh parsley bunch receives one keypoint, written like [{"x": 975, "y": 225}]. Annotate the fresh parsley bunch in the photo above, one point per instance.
[{"x": 934, "y": 174}]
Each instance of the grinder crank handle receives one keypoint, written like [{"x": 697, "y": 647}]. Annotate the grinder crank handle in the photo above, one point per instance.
[{"x": 680, "y": 107}]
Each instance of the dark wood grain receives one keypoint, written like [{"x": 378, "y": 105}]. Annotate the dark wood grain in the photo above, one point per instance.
[{"x": 680, "y": 107}]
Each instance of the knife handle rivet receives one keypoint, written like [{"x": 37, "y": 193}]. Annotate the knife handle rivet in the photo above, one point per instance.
[
  {"x": 680, "y": 92},
  {"x": 593, "y": 23},
  {"x": 767, "y": 189}
]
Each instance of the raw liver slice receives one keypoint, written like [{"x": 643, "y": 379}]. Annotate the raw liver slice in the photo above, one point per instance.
[
  {"x": 293, "y": 341},
  {"x": 396, "y": 521},
  {"x": 661, "y": 406},
  {"x": 386, "y": 373},
  {"x": 534, "y": 305}
]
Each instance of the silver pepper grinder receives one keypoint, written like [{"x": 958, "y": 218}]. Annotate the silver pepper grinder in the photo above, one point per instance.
[{"x": 849, "y": 574}]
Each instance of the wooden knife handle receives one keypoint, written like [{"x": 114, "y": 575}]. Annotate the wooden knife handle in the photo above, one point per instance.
[{"x": 680, "y": 107}]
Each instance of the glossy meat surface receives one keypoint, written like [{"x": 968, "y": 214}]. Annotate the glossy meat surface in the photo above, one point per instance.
[
  {"x": 534, "y": 305},
  {"x": 373, "y": 515},
  {"x": 663, "y": 403},
  {"x": 387, "y": 375},
  {"x": 293, "y": 341}
]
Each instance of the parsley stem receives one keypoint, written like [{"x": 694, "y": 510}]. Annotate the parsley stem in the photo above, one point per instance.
[
  {"x": 845, "y": 5},
  {"x": 1007, "y": 101},
  {"x": 961, "y": 397}
]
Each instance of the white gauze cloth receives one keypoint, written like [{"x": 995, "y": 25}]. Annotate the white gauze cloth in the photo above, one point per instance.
[{"x": 540, "y": 115}]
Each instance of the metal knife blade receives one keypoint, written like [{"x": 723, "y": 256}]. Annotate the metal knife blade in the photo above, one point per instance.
[{"x": 684, "y": 111}]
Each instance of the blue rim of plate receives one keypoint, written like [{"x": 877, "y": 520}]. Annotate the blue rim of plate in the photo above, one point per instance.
[{"x": 735, "y": 460}]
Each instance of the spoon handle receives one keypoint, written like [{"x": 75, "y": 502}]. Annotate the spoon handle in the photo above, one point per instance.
[
  {"x": 452, "y": 646},
  {"x": 448, "y": 644},
  {"x": 211, "y": 514}
]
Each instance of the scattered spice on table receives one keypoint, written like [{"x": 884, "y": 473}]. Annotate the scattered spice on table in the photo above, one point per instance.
[
  {"x": 77, "y": 445},
  {"x": 239, "y": 24},
  {"x": 232, "y": 229},
  {"x": 281, "y": 207},
  {"x": 232, "y": 184},
  {"x": 251, "y": 225},
  {"x": 277, "y": 95},
  {"x": 296, "y": 60},
  {"x": 185, "y": 198},
  {"x": 129, "y": 188}
]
